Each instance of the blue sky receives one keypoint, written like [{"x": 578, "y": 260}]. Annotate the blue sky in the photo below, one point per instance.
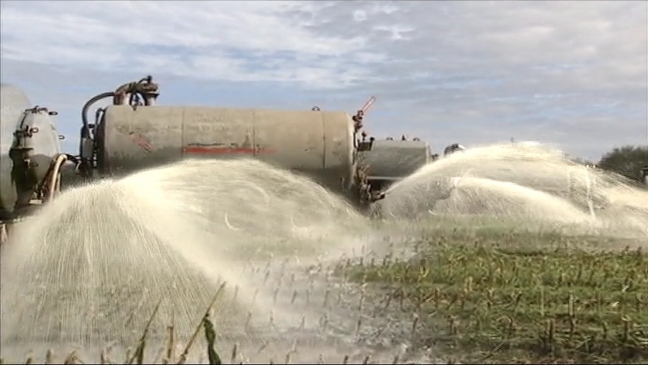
[{"x": 572, "y": 74}]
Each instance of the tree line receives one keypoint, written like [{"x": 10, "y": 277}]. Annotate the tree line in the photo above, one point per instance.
[{"x": 627, "y": 161}]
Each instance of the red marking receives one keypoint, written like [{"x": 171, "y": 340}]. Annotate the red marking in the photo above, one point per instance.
[
  {"x": 226, "y": 150},
  {"x": 141, "y": 141}
]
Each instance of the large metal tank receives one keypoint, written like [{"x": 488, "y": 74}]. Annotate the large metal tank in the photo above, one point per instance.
[
  {"x": 24, "y": 160},
  {"x": 13, "y": 103},
  {"x": 391, "y": 160},
  {"x": 319, "y": 144}
]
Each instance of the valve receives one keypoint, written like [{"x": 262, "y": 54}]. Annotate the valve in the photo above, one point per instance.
[
  {"x": 145, "y": 88},
  {"x": 363, "y": 144},
  {"x": 455, "y": 147}
]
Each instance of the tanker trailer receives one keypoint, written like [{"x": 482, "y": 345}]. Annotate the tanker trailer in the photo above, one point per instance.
[
  {"x": 134, "y": 134},
  {"x": 30, "y": 155},
  {"x": 389, "y": 161}
]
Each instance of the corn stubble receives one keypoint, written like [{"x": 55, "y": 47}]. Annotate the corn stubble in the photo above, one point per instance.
[{"x": 494, "y": 302}]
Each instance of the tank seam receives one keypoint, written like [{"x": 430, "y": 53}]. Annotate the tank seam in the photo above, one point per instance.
[
  {"x": 324, "y": 141},
  {"x": 255, "y": 147},
  {"x": 183, "y": 142}
]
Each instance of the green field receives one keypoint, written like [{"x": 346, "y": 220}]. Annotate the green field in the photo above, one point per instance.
[{"x": 492, "y": 296}]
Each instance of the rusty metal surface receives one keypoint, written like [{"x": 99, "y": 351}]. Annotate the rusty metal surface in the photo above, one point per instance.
[
  {"x": 316, "y": 144},
  {"x": 393, "y": 160}
]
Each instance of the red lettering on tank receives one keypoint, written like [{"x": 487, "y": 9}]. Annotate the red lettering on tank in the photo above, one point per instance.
[{"x": 226, "y": 150}]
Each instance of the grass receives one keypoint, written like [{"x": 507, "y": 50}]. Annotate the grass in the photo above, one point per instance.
[{"x": 492, "y": 296}]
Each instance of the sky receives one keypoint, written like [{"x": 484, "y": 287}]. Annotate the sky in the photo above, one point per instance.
[{"x": 571, "y": 74}]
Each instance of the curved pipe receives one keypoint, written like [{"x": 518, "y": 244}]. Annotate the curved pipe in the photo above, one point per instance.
[
  {"x": 88, "y": 104},
  {"x": 54, "y": 184},
  {"x": 129, "y": 88}
]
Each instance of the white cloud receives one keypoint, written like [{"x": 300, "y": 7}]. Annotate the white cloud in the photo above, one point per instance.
[
  {"x": 215, "y": 39},
  {"x": 571, "y": 73},
  {"x": 396, "y": 32},
  {"x": 360, "y": 15}
]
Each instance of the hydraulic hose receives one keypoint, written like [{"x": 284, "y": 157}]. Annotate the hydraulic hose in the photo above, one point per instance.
[
  {"x": 54, "y": 184},
  {"x": 129, "y": 88},
  {"x": 88, "y": 104}
]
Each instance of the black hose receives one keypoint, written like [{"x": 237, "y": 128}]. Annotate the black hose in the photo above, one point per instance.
[
  {"x": 88, "y": 104},
  {"x": 148, "y": 79},
  {"x": 132, "y": 90}
]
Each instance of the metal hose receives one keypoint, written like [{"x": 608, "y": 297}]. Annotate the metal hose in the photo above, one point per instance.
[
  {"x": 89, "y": 103},
  {"x": 131, "y": 87},
  {"x": 54, "y": 184}
]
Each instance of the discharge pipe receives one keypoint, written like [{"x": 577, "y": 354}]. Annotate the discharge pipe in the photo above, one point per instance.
[
  {"x": 144, "y": 88},
  {"x": 142, "y": 92}
]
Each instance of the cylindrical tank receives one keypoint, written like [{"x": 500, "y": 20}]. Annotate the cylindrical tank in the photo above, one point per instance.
[
  {"x": 13, "y": 103},
  {"x": 391, "y": 160},
  {"x": 319, "y": 144},
  {"x": 16, "y": 185}
]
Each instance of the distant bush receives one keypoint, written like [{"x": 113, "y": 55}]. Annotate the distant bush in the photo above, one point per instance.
[{"x": 627, "y": 161}]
